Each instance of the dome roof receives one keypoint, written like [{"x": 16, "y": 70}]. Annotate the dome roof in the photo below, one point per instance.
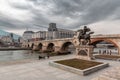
[{"x": 28, "y": 32}]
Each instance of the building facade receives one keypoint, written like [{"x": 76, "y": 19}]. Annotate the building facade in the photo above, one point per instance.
[
  {"x": 57, "y": 33},
  {"x": 27, "y": 35},
  {"x": 7, "y": 39},
  {"x": 52, "y": 33},
  {"x": 40, "y": 35}
]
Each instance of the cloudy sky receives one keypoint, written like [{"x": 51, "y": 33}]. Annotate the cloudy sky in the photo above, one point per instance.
[{"x": 102, "y": 16}]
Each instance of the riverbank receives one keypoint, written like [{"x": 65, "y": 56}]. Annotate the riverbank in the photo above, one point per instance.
[{"x": 15, "y": 48}]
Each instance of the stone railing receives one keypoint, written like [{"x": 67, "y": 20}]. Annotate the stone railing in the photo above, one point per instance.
[{"x": 106, "y": 36}]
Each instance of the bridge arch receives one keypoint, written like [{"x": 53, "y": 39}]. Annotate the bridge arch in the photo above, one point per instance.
[
  {"x": 28, "y": 46},
  {"x": 51, "y": 47},
  {"x": 40, "y": 45},
  {"x": 32, "y": 45},
  {"x": 65, "y": 46},
  {"x": 1, "y": 43},
  {"x": 94, "y": 42},
  {"x": 112, "y": 41}
]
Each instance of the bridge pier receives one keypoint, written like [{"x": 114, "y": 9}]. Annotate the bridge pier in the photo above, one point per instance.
[
  {"x": 35, "y": 47},
  {"x": 44, "y": 48},
  {"x": 57, "y": 48}
]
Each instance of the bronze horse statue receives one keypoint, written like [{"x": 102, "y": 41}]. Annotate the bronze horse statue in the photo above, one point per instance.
[{"x": 84, "y": 36}]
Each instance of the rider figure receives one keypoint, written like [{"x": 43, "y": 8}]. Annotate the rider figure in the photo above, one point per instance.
[
  {"x": 85, "y": 30},
  {"x": 83, "y": 37}
]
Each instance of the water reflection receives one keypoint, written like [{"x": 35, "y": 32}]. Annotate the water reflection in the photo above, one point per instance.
[
  {"x": 17, "y": 55},
  {"x": 114, "y": 51},
  {"x": 27, "y": 54}
]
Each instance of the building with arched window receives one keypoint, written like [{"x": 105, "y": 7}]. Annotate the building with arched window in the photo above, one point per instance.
[
  {"x": 52, "y": 33},
  {"x": 57, "y": 33},
  {"x": 27, "y": 35}
]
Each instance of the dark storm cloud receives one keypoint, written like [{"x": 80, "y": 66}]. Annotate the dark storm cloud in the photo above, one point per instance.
[
  {"x": 100, "y": 10},
  {"x": 11, "y": 24},
  {"x": 39, "y": 18},
  {"x": 20, "y": 6},
  {"x": 91, "y": 11},
  {"x": 68, "y": 8},
  {"x": 6, "y": 22},
  {"x": 81, "y": 12}
]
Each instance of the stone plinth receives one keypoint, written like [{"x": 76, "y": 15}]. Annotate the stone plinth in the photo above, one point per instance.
[{"x": 84, "y": 52}]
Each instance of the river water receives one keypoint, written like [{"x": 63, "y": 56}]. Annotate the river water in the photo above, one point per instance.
[
  {"x": 12, "y": 55},
  {"x": 114, "y": 51}
]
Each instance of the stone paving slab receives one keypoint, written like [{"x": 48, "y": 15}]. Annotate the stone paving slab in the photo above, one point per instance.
[
  {"x": 40, "y": 70},
  {"x": 110, "y": 74}
]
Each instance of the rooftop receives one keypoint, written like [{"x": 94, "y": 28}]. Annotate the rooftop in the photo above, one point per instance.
[{"x": 28, "y": 32}]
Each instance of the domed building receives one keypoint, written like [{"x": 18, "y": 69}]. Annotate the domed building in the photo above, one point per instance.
[{"x": 27, "y": 35}]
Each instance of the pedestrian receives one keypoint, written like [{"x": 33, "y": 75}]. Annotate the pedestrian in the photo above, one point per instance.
[
  {"x": 99, "y": 51},
  {"x": 107, "y": 51},
  {"x": 110, "y": 52}
]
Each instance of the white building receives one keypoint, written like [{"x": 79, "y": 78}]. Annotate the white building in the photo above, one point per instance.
[
  {"x": 52, "y": 33},
  {"x": 27, "y": 35},
  {"x": 57, "y": 33},
  {"x": 40, "y": 35},
  {"x": 7, "y": 39}
]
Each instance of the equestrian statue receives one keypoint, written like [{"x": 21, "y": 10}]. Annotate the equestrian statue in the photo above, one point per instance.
[{"x": 84, "y": 36}]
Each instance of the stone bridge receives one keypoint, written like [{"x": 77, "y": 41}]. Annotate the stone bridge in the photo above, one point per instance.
[
  {"x": 56, "y": 44},
  {"x": 62, "y": 44}
]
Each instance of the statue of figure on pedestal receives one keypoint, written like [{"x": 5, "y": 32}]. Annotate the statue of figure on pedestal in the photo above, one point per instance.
[{"x": 84, "y": 36}]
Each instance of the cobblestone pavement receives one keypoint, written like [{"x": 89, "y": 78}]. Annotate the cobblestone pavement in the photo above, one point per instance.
[
  {"x": 40, "y": 70},
  {"x": 109, "y": 74}
]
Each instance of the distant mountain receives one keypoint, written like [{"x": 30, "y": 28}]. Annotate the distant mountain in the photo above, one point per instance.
[{"x": 5, "y": 33}]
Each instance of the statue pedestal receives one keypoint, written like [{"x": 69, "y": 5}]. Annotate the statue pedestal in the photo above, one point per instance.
[{"x": 84, "y": 52}]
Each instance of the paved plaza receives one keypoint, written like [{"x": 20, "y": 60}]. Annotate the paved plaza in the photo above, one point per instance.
[{"x": 35, "y": 69}]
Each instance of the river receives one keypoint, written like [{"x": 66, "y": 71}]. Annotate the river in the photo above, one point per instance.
[
  {"x": 17, "y": 55},
  {"x": 113, "y": 50},
  {"x": 12, "y": 55}
]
